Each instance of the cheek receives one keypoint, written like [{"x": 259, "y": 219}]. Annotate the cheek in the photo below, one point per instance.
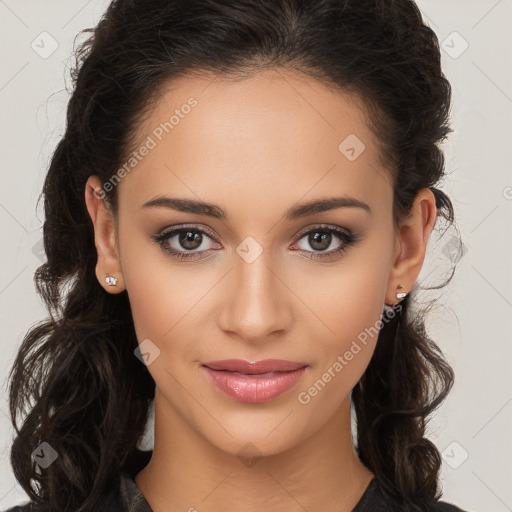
[
  {"x": 349, "y": 303},
  {"x": 167, "y": 301},
  {"x": 342, "y": 356},
  {"x": 346, "y": 298},
  {"x": 154, "y": 292}
]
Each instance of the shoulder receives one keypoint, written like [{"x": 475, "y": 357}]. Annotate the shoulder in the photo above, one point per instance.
[
  {"x": 376, "y": 499},
  {"x": 110, "y": 502},
  {"x": 122, "y": 494},
  {"x": 25, "y": 507},
  {"x": 448, "y": 507}
]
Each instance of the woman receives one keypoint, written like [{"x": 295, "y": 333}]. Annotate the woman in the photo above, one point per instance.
[{"x": 236, "y": 218}]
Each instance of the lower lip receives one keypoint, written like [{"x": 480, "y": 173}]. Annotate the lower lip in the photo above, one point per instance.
[{"x": 254, "y": 388}]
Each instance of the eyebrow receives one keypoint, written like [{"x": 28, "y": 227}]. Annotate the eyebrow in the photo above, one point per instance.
[{"x": 296, "y": 212}]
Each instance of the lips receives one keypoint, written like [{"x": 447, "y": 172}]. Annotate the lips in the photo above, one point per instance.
[
  {"x": 254, "y": 382},
  {"x": 257, "y": 368}
]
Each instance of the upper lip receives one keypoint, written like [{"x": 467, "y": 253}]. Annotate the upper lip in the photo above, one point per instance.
[{"x": 258, "y": 367}]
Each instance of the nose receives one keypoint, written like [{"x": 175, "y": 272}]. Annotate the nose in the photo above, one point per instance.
[{"x": 256, "y": 303}]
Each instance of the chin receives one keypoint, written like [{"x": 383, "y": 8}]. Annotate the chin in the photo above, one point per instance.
[{"x": 260, "y": 438}]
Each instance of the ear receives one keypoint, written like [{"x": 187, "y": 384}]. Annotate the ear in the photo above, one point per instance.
[
  {"x": 108, "y": 263},
  {"x": 411, "y": 244}
]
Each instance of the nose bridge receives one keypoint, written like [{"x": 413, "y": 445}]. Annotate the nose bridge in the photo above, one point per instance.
[{"x": 255, "y": 305}]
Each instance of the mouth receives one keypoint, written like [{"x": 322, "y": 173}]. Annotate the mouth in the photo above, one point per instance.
[
  {"x": 256, "y": 382},
  {"x": 257, "y": 368}
]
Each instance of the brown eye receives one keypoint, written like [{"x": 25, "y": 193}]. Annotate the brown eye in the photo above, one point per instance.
[
  {"x": 320, "y": 240},
  {"x": 190, "y": 239},
  {"x": 329, "y": 240},
  {"x": 184, "y": 242}
]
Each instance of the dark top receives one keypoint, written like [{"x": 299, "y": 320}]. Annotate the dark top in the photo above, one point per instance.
[{"x": 128, "y": 498}]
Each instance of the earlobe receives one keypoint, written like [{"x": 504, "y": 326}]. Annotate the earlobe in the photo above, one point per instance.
[
  {"x": 108, "y": 268},
  {"x": 413, "y": 236},
  {"x": 111, "y": 283},
  {"x": 399, "y": 296}
]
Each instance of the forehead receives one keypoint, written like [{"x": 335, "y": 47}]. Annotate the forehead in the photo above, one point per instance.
[{"x": 277, "y": 131}]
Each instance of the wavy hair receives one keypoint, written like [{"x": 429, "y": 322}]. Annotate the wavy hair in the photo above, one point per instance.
[{"x": 75, "y": 382}]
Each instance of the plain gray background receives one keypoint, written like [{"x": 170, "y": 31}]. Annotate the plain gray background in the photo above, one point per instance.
[{"x": 472, "y": 323}]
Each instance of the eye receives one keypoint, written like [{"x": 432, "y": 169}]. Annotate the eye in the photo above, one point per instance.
[
  {"x": 183, "y": 243},
  {"x": 324, "y": 237},
  {"x": 191, "y": 243}
]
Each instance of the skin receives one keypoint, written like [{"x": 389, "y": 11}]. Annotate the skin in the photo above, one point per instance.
[{"x": 256, "y": 147}]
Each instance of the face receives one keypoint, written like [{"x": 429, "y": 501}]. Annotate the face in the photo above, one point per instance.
[{"x": 256, "y": 275}]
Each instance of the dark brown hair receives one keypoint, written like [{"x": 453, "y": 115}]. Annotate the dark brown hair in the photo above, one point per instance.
[{"x": 75, "y": 375}]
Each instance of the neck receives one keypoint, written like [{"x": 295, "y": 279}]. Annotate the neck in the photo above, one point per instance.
[{"x": 186, "y": 472}]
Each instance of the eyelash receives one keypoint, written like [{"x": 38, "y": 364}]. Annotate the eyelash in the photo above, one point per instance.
[{"x": 346, "y": 236}]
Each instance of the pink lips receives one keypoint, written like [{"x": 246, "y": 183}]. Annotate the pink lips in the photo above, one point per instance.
[{"x": 254, "y": 382}]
